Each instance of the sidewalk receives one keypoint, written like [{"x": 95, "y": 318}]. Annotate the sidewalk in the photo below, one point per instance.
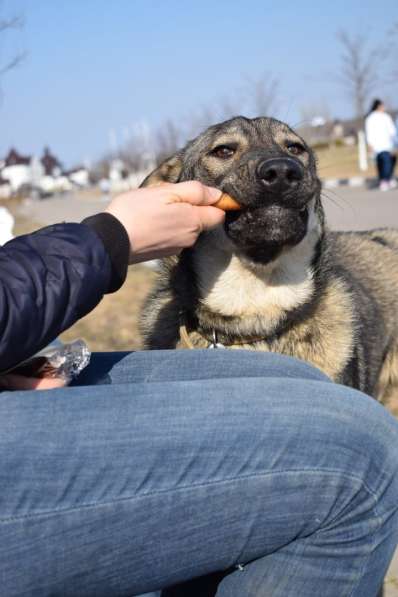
[{"x": 347, "y": 208}]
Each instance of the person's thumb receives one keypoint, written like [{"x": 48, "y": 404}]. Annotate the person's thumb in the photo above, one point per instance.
[
  {"x": 210, "y": 217},
  {"x": 193, "y": 192}
]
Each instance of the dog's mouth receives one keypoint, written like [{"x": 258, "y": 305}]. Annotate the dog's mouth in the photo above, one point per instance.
[{"x": 261, "y": 232}]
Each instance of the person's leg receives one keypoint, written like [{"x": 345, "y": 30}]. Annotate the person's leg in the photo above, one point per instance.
[
  {"x": 384, "y": 169},
  {"x": 380, "y": 166},
  {"x": 179, "y": 365},
  {"x": 125, "y": 489},
  {"x": 171, "y": 365},
  {"x": 393, "y": 182}
]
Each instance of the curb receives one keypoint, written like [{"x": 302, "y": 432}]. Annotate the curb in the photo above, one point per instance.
[{"x": 355, "y": 181}]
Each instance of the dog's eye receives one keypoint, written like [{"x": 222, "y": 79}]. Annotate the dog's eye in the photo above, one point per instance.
[
  {"x": 295, "y": 148},
  {"x": 223, "y": 151}
]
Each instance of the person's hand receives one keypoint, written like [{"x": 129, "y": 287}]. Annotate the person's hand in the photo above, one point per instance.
[
  {"x": 161, "y": 221},
  {"x": 12, "y": 381}
]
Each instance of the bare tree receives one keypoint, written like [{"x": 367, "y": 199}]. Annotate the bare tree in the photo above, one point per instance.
[
  {"x": 393, "y": 37},
  {"x": 100, "y": 169},
  {"x": 315, "y": 123},
  {"x": 230, "y": 106},
  {"x": 257, "y": 96},
  {"x": 220, "y": 109},
  {"x": 5, "y": 26},
  {"x": 168, "y": 138},
  {"x": 360, "y": 69},
  {"x": 200, "y": 119},
  {"x": 262, "y": 94},
  {"x": 316, "y": 109}
]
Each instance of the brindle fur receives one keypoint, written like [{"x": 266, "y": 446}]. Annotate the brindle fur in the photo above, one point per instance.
[{"x": 263, "y": 283}]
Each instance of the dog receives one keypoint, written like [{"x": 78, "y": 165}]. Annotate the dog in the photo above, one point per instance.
[{"x": 273, "y": 277}]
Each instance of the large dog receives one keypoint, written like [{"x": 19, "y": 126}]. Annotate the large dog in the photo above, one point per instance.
[{"x": 273, "y": 278}]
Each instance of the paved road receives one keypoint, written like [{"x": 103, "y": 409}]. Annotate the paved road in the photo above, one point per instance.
[
  {"x": 69, "y": 208},
  {"x": 346, "y": 208},
  {"x": 359, "y": 209}
]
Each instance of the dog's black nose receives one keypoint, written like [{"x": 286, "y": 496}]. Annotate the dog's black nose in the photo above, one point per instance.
[{"x": 279, "y": 174}]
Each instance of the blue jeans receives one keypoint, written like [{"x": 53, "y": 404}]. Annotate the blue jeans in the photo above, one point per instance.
[
  {"x": 180, "y": 464},
  {"x": 385, "y": 165}
]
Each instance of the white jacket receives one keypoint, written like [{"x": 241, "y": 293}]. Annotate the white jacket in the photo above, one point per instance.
[{"x": 381, "y": 133}]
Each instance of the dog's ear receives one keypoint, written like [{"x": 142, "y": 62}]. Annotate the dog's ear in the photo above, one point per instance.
[{"x": 168, "y": 171}]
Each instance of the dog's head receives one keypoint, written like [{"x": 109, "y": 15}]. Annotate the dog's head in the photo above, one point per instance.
[{"x": 267, "y": 168}]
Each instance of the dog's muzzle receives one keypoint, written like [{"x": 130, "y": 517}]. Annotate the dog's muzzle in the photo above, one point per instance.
[{"x": 280, "y": 175}]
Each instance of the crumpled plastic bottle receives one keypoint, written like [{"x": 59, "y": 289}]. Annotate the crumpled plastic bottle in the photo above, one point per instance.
[
  {"x": 65, "y": 361},
  {"x": 58, "y": 360}
]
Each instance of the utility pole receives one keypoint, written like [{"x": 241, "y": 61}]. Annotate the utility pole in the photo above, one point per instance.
[{"x": 362, "y": 152}]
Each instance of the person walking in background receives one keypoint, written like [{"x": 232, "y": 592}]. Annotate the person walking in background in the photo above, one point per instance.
[{"x": 381, "y": 136}]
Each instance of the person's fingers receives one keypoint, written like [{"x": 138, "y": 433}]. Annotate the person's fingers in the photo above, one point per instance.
[
  {"x": 49, "y": 383},
  {"x": 192, "y": 192},
  {"x": 11, "y": 381},
  {"x": 210, "y": 217}
]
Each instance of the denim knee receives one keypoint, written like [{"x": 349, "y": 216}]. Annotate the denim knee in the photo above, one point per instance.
[
  {"x": 179, "y": 365},
  {"x": 374, "y": 436}
]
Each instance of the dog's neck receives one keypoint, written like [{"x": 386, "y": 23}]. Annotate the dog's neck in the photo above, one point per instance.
[{"x": 254, "y": 298}]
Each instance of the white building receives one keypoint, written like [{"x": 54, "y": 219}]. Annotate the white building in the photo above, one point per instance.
[
  {"x": 41, "y": 174},
  {"x": 5, "y": 189},
  {"x": 79, "y": 176},
  {"x": 6, "y": 226},
  {"x": 17, "y": 170},
  {"x": 121, "y": 180}
]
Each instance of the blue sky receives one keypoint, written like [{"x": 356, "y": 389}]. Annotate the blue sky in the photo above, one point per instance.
[{"x": 93, "y": 66}]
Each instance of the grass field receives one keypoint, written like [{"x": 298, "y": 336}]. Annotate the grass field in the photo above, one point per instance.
[{"x": 341, "y": 162}]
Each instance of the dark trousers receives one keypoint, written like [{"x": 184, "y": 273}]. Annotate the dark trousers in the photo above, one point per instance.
[{"x": 385, "y": 165}]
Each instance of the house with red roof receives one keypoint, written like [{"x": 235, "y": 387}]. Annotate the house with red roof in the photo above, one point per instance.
[{"x": 16, "y": 169}]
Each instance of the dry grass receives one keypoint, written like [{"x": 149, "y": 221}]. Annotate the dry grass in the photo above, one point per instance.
[
  {"x": 341, "y": 162},
  {"x": 22, "y": 225},
  {"x": 113, "y": 324}
]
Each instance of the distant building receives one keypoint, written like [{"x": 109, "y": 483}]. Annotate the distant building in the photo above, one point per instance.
[
  {"x": 118, "y": 171},
  {"x": 344, "y": 131},
  {"x": 16, "y": 170},
  {"x": 5, "y": 188},
  {"x": 15, "y": 159},
  {"x": 39, "y": 175},
  {"x": 52, "y": 180},
  {"x": 7, "y": 223},
  {"x": 79, "y": 176},
  {"x": 52, "y": 166}
]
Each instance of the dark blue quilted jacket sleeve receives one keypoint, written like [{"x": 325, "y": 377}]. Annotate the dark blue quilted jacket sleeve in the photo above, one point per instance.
[{"x": 48, "y": 280}]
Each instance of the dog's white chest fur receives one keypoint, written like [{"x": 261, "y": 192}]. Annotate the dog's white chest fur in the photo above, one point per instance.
[{"x": 231, "y": 286}]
